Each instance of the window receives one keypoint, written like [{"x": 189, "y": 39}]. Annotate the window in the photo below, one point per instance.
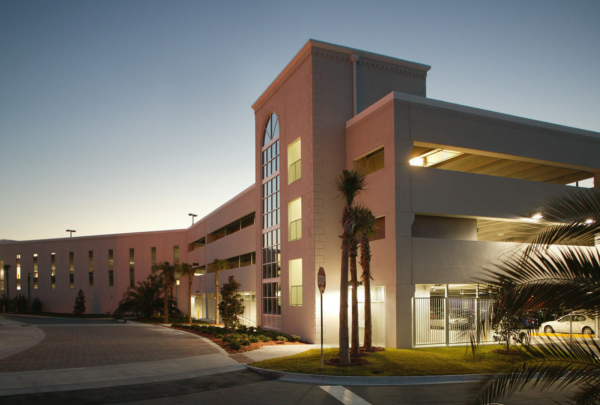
[
  {"x": 294, "y": 172},
  {"x": 227, "y": 230},
  {"x": 380, "y": 224},
  {"x": 271, "y": 218},
  {"x": 35, "y": 271},
  {"x": 176, "y": 256},
  {"x": 271, "y": 254},
  {"x": 370, "y": 163},
  {"x": 18, "y": 272},
  {"x": 295, "y": 273},
  {"x": 247, "y": 259},
  {"x": 295, "y": 219},
  {"x": 111, "y": 269},
  {"x": 53, "y": 270},
  {"x": 71, "y": 270},
  {"x": 1, "y": 275},
  {"x": 272, "y": 298},
  {"x": 153, "y": 261},
  {"x": 91, "y": 268},
  {"x": 131, "y": 268}
]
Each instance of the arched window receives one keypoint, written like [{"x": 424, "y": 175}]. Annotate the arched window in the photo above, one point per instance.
[{"x": 271, "y": 129}]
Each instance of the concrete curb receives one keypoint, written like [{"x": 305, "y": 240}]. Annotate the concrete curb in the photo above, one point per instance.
[{"x": 345, "y": 380}]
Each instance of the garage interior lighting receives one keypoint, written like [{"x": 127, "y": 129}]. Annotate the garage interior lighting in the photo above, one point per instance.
[
  {"x": 434, "y": 157},
  {"x": 536, "y": 215}
]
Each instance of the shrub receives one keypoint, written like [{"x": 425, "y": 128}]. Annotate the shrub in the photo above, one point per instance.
[
  {"x": 235, "y": 345},
  {"x": 263, "y": 338},
  {"x": 36, "y": 305},
  {"x": 219, "y": 336},
  {"x": 245, "y": 342},
  {"x": 281, "y": 338},
  {"x": 244, "y": 336},
  {"x": 235, "y": 336},
  {"x": 176, "y": 325},
  {"x": 294, "y": 338},
  {"x": 79, "y": 307},
  {"x": 253, "y": 339}
]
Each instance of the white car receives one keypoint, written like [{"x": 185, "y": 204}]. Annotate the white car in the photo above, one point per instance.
[{"x": 581, "y": 324}]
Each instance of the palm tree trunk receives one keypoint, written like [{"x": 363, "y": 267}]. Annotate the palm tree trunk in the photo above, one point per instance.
[
  {"x": 365, "y": 262},
  {"x": 191, "y": 280},
  {"x": 344, "y": 344},
  {"x": 352, "y": 252},
  {"x": 166, "y": 286},
  {"x": 216, "y": 297}
]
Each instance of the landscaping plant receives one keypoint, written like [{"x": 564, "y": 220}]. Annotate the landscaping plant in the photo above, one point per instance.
[
  {"x": 231, "y": 305},
  {"x": 79, "y": 307}
]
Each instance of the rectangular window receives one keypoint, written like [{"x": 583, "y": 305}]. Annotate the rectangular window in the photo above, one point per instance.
[
  {"x": 294, "y": 169},
  {"x": 91, "y": 268},
  {"x": 18, "y": 272},
  {"x": 53, "y": 270},
  {"x": 295, "y": 272},
  {"x": 271, "y": 261},
  {"x": 131, "y": 268},
  {"x": 272, "y": 298},
  {"x": 1, "y": 275},
  {"x": 35, "y": 271},
  {"x": 176, "y": 255},
  {"x": 111, "y": 268},
  {"x": 153, "y": 261},
  {"x": 380, "y": 228},
  {"x": 71, "y": 270},
  {"x": 271, "y": 203},
  {"x": 370, "y": 163},
  {"x": 295, "y": 219}
]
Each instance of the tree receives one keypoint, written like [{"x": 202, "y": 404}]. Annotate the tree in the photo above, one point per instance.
[
  {"x": 349, "y": 184},
  {"x": 79, "y": 307},
  {"x": 167, "y": 274},
  {"x": 37, "y": 305},
  {"x": 231, "y": 305},
  {"x": 218, "y": 265},
  {"x": 544, "y": 275},
  {"x": 186, "y": 269},
  {"x": 143, "y": 299},
  {"x": 366, "y": 230},
  {"x": 6, "y": 275}
]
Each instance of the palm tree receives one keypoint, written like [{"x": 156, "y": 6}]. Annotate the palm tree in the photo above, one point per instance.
[
  {"x": 186, "y": 269},
  {"x": 546, "y": 276},
  {"x": 218, "y": 265},
  {"x": 143, "y": 299},
  {"x": 168, "y": 273},
  {"x": 366, "y": 230},
  {"x": 348, "y": 184}
]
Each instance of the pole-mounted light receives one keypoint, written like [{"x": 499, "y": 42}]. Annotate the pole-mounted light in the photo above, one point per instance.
[
  {"x": 193, "y": 216},
  {"x": 71, "y": 232}
]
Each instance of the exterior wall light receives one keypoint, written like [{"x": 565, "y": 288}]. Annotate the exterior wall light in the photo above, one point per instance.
[
  {"x": 419, "y": 161},
  {"x": 536, "y": 215},
  {"x": 177, "y": 282}
]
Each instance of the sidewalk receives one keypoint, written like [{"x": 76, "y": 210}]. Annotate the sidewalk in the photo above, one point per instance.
[{"x": 16, "y": 337}]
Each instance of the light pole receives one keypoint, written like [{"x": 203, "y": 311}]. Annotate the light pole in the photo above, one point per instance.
[
  {"x": 193, "y": 216},
  {"x": 71, "y": 231}
]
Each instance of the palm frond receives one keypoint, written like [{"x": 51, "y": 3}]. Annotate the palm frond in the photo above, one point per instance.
[
  {"x": 349, "y": 184},
  {"x": 576, "y": 206},
  {"x": 560, "y": 363}
]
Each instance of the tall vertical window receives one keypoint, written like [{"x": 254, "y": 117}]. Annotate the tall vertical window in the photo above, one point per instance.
[
  {"x": 295, "y": 273},
  {"x": 53, "y": 270},
  {"x": 294, "y": 172},
  {"x": 71, "y": 269},
  {"x": 18, "y": 272},
  {"x": 131, "y": 268},
  {"x": 271, "y": 197},
  {"x": 176, "y": 255},
  {"x": 91, "y": 268},
  {"x": 153, "y": 261},
  {"x": 111, "y": 268},
  {"x": 295, "y": 219},
  {"x": 35, "y": 271},
  {"x": 1, "y": 275}
]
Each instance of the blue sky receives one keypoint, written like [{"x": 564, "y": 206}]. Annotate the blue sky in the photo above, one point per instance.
[{"x": 125, "y": 116}]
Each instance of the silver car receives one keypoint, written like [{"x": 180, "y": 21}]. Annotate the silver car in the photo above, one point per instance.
[{"x": 581, "y": 324}]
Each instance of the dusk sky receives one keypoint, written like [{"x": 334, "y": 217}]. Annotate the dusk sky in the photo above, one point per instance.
[{"x": 125, "y": 116}]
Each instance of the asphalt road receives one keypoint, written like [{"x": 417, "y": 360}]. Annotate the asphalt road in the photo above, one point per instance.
[
  {"x": 246, "y": 387},
  {"x": 34, "y": 320}
]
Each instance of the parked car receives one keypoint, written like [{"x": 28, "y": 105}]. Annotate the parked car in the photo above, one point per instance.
[
  {"x": 581, "y": 324},
  {"x": 461, "y": 319}
]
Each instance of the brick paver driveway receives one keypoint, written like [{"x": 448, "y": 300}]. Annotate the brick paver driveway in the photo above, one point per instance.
[{"x": 87, "y": 345}]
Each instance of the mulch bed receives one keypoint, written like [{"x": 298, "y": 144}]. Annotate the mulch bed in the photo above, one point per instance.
[{"x": 227, "y": 347}]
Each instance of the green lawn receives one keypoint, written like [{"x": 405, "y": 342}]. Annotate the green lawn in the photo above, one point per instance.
[{"x": 396, "y": 362}]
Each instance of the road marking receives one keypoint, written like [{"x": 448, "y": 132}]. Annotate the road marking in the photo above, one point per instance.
[{"x": 343, "y": 395}]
